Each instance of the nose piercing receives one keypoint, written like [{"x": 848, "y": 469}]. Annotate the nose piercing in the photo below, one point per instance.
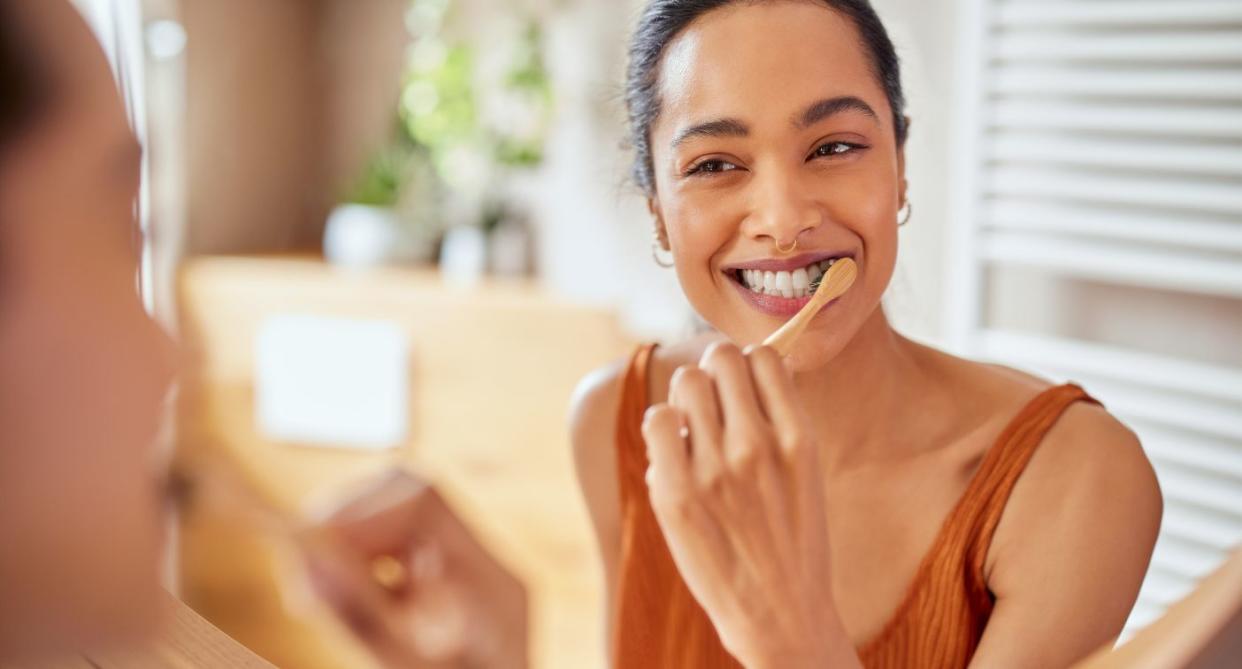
[{"x": 785, "y": 251}]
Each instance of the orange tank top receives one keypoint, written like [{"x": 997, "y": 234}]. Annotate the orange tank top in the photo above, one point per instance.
[{"x": 946, "y": 607}]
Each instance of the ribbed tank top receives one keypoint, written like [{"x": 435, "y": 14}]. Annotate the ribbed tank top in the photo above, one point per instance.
[{"x": 938, "y": 623}]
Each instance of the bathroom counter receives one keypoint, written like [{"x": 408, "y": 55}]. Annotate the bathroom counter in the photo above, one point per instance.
[{"x": 492, "y": 368}]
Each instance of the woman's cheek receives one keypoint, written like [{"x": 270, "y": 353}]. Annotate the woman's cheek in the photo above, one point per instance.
[{"x": 697, "y": 232}]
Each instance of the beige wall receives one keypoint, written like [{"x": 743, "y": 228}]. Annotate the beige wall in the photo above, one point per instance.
[{"x": 285, "y": 100}]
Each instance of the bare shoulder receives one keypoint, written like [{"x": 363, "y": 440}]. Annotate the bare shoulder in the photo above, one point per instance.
[
  {"x": 668, "y": 358},
  {"x": 1090, "y": 471},
  {"x": 597, "y": 401},
  {"x": 1077, "y": 532},
  {"x": 1084, "y": 515},
  {"x": 592, "y": 422},
  {"x": 1093, "y": 468}
]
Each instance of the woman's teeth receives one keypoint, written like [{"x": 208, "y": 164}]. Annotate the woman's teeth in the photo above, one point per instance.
[{"x": 793, "y": 284}]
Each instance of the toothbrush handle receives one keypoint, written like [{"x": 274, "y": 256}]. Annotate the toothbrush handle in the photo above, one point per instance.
[
  {"x": 784, "y": 338},
  {"x": 840, "y": 277}
]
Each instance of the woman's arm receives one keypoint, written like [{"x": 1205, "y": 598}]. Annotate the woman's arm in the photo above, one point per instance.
[
  {"x": 593, "y": 420},
  {"x": 1073, "y": 546}
]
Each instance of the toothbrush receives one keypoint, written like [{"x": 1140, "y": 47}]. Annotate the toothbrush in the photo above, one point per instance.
[{"x": 833, "y": 284}]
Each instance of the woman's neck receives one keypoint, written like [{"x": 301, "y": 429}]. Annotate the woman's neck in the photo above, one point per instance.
[{"x": 855, "y": 401}]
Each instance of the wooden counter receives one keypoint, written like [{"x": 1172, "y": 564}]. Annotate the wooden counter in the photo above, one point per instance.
[{"x": 492, "y": 370}]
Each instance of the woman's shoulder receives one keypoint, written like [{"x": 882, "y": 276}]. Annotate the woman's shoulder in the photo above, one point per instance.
[
  {"x": 1089, "y": 482},
  {"x": 1085, "y": 430},
  {"x": 598, "y": 396},
  {"x": 1087, "y": 452}
]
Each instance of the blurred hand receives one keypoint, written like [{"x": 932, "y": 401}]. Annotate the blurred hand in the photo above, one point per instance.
[
  {"x": 444, "y": 600},
  {"x": 737, "y": 489}
]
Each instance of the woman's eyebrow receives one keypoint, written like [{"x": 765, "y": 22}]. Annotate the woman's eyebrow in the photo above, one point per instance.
[
  {"x": 827, "y": 107},
  {"x": 816, "y": 112},
  {"x": 725, "y": 127}
]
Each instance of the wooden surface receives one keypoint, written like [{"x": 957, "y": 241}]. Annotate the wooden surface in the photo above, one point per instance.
[
  {"x": 493, "y": 368},
  {"x": 187, "y": 641}
]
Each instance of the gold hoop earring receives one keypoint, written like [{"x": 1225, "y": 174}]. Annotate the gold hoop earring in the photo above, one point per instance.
[
  {"x": 657, "y": 245},
  {"x": 909, "y": 211},
  {"x": 785, "y": 251}
]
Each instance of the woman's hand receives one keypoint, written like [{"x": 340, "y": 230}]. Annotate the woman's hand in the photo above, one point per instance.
[
  {"x": 447, "y": 602},
  {"x": 737, "y": 489}
]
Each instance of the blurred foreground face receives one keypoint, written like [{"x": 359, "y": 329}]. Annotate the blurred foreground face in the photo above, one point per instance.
[{"x": 83, "y": 370}]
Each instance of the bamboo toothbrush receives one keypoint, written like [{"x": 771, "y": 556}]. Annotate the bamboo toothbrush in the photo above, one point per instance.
[{"x": 833, "y": 284}]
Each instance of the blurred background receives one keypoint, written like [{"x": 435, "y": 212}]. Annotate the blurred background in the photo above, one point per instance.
[{"x": 401, "y": 230}]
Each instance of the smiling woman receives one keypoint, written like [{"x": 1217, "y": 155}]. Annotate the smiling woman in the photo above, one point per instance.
[{"x": 867, "y": 500}]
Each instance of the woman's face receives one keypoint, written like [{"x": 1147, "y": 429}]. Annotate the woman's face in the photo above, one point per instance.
[
  {"x": 774, "y": 128},
  {"x": 84, "y": 370}
]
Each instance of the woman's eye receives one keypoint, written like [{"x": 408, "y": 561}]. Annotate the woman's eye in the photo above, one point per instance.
[
  {"x": 711, "y": 167},
  {"x": 832, "y": 149}
]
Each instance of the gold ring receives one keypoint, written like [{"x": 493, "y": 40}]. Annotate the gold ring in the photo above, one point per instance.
[{"x": 785, "y": 252}]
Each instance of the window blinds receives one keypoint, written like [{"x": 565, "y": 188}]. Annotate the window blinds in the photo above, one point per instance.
[{"x": 1101, "y": 151}]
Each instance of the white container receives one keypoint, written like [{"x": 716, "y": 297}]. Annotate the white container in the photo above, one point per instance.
[
  {"x": 359, "y": 235},
  {"x": 463, "y": 258}
]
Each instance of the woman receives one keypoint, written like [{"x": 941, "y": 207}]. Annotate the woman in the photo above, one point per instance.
[
  {"x": 867, "y": 501},
  {"x": 83, "y": 376},
  {"x": 84, "y": 370}
]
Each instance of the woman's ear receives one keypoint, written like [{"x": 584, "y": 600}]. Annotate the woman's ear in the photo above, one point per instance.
[
  {"x": 901, "y": 164},
  {"x": 657, "y": 219}
]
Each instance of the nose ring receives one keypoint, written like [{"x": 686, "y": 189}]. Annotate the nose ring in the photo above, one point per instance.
[{"x": 783, "y": 250}]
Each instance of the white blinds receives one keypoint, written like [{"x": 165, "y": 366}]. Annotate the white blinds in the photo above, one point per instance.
[{"x": 1101, "y": 159}]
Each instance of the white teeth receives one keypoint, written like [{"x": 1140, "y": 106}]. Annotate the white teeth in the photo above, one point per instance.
[
  {"x": 795, "y": 284},
  {"x": 784, "y": 284},
  {"x": 800, "y": 281}
]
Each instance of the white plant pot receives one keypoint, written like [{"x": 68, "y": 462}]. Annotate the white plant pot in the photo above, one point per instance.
[
  {"x": 463, "y": 258},
  {"x": 359, "y": 235}
]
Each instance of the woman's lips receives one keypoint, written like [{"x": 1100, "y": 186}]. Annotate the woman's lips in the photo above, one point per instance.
[
  {"x": 782, "y": 287},
  {"x": 775, "y": 305}
]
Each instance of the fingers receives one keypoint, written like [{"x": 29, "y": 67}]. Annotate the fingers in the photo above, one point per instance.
[
  {"x": 728, "y": 367},
  {"x": 668, "y": 477},
  {"x": 400, "y": 514},
  {"x": 343, "y": 582},
  {"x": 746, "y": 428},
  {"x": 776, "y": 395},
  {"x": 695, "y": 538},
  {"x": 388, "y": 515},
  {"x": 693, "y": 393}
]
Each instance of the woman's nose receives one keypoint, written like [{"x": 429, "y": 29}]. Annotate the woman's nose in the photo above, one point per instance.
[{"x": 780, "y": 210}]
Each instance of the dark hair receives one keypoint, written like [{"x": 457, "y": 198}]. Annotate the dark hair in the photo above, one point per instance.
[
  {"x": 22, "y": 91},
  {"x": 663, "y": 20}
]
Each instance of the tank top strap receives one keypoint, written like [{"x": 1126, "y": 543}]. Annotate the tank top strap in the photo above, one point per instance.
[
  {"x": 635, "y": 398},
  {"x": 984, "y": 502}
]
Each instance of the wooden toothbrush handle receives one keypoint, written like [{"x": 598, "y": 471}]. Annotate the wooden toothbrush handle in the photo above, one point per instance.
[
  {"x": 840, "y": 277},
  {"x": 783, "y": 339}
]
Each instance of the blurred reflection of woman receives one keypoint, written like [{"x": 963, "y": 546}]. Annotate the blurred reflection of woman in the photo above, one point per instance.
[
  {"x": 868, "y": 501},
  {"x": 83, "y": 376}
]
